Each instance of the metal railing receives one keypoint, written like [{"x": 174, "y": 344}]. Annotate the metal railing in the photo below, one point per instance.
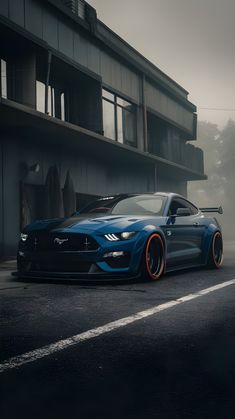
[{"x": 186, "y": 155}]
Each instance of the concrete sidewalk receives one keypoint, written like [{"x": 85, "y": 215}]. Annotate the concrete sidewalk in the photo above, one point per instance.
[{"x": 8, "y": 265}]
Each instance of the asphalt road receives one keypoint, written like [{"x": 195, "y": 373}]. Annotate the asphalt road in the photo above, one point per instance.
[{"x": 176, "y": 362}]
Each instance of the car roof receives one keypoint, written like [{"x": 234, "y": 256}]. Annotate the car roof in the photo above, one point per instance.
[
  {"x": 170, "y": 194},
  {"x": 165, "y": 194}
]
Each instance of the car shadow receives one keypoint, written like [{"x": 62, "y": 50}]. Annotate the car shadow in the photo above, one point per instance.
[
  {"x": 80, "y": 281},
  {"x": 103, "y": 282}
]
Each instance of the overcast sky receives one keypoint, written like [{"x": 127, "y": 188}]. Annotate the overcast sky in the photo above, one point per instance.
[{"x": 193, "y": 41}]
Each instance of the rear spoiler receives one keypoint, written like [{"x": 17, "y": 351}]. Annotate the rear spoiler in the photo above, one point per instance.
[{"x": 218, "y": 209}]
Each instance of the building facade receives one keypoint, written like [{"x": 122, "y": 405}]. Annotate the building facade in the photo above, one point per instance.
[{"x": 75, "y": 95}]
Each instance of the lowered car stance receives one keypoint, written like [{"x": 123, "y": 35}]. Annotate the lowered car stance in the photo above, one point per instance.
[{"x": 128, "y": 235}]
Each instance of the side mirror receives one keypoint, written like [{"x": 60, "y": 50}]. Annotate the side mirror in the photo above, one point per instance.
[{"x": 183, "y": 212}]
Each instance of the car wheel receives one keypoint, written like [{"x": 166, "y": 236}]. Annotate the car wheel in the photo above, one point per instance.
[
  {"x": 216, "y": 251},
  {"x": 153, "y": 258}
]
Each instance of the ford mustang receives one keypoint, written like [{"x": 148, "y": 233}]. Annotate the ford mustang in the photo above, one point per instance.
[{"x": 126, "y": 235}]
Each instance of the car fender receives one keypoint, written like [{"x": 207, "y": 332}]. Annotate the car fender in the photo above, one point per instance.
[
  {"x": 150, "y": 229},
  {"x": 141, "y": 243},
  {"x": 213, "y": 227}
]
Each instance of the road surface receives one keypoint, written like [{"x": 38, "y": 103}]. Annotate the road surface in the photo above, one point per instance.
[{"x": 119, "y": 350}]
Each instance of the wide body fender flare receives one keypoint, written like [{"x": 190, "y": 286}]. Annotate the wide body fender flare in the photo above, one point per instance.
[
  {"x": 142, "y": 242},
  {"x": 207, "y": 240}
]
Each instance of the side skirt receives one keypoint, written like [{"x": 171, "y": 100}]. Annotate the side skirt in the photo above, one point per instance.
[{"x": 184, "y": 267}]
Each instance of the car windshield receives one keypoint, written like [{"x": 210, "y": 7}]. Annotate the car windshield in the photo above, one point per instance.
[{"x": 127, "y": 205}]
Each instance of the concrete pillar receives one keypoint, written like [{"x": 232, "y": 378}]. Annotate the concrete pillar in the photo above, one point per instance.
[
  {"x": 11, "y": 195},
  {"x": 25, "y": 80},
  {"x": 140, "y": 129},
  {"x": 144, "y": 114},
  {"x": 1, "y": 199}
]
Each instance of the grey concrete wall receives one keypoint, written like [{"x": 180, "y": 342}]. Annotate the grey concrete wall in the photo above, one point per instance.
[
  {"x": 91, "y": 175},
  {"x": 169, "y": 108},
  {"x": 112, "y": 38},
  {"x": 171, "y": 185},
  {"x": 11, "y": 196},
  {"x": 1, "y": 198}
]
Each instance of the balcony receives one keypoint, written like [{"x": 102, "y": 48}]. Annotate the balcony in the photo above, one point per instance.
[
  {"x": 186, "y": 155},
  {"x": 170, "y": 143}
]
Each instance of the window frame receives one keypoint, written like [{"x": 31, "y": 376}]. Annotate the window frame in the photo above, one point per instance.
[
  {"x": 117, "y": 106},
  {"x": 55, "y": 92}
]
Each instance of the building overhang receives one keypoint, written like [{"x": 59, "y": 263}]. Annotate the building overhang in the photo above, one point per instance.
[
  {"x": 119, "y": 46},
  {"x": 21, "y": 122}
]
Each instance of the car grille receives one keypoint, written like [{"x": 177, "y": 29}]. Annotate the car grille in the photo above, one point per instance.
[
  {"x": 47, "y": 266},
  {"x": 60, "y": 242}
]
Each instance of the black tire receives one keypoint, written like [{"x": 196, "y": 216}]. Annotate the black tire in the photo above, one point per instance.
[
  {"x": 215, "y": 258},
  {"x": 153, "y": 263}
]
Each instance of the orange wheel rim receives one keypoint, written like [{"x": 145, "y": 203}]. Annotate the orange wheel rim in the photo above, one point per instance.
[{"x": 154, "y": 266}]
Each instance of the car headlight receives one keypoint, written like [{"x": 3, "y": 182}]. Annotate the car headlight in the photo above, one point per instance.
[
  {"x": 23, "y": 237},
  {"x": 125, "y": 235}
]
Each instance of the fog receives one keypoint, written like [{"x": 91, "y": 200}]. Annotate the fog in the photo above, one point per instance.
[{"x": 193, "y": 42}]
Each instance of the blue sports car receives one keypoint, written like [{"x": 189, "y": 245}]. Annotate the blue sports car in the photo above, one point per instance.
[{"x": 126, "y": 235}]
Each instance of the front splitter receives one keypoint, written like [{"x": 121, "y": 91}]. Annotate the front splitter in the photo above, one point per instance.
[{"x": 97, "y": 277}]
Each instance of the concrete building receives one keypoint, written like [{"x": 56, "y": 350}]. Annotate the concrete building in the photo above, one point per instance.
[{"x": 76, "y": 95}]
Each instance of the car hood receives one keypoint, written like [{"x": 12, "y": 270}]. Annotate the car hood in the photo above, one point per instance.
[{"x": 93, "y": 224}]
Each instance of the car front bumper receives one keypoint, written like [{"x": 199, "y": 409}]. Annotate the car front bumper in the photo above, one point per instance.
[{"x": 72, "y": 265}]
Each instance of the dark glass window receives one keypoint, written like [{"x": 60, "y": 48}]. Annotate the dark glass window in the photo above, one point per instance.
[
  {"x": 119, "y": 119},
  {"x": 194, "y": 210},
  {"x": 182, "y": 203}
]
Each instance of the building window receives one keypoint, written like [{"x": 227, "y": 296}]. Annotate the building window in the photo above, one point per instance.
[
  {"x": 119, "y": 119},
  {"x": 62, "y": 108},
  {"x": 3, "y": 78},
  {"x": 56, "y": 100},
  {"x": 40, "y": 95}
]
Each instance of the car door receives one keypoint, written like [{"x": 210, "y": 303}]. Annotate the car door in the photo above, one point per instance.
[{"x": 184, "y": 235}]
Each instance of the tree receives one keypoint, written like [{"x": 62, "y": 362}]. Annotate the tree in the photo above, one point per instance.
[
  {"x": 208, "y": 140},
  {"x": 219, "y": 154},
  {"x": 227, "y": 151}
]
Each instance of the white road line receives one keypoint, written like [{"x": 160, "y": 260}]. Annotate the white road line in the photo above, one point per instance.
[{"x": 47, "y": 350}]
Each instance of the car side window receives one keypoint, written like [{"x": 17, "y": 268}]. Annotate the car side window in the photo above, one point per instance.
[
  {"x": 181, "y": 203},
  {"x": 174, "y": 206},
  {"x": 194, "y": 210}
]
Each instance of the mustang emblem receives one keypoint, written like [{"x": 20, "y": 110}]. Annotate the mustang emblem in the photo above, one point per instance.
[{"x": 60, "y": 241}]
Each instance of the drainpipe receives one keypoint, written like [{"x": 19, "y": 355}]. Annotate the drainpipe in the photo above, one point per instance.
[
  {"x": 155, "y": 178},
  {"x": 47, "y": 80},
  {"x": 144, "y": 115}
]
